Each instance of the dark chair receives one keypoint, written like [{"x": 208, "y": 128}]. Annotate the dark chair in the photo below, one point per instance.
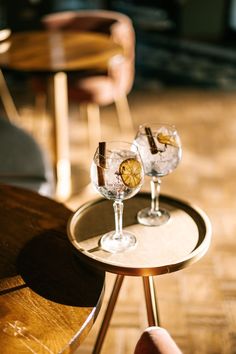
[
  {"x": 94, "y": 89},
  {"x": 156, "y": 340},
  {"x": 22, "y": 161}
]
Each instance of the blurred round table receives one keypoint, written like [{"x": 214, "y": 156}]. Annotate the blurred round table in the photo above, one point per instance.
[{"x": 57, "y": 53}]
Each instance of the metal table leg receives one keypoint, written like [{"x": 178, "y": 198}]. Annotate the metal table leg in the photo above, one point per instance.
[
  {"x": 107, "y": 317},
  {"x": 151, "y": 301},
  {"x": 58, "y": 94}
]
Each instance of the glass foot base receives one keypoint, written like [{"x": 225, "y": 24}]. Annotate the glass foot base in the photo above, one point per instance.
[
  {"x": 111, "y": 244},
  {"x": 146, "y": 218}
]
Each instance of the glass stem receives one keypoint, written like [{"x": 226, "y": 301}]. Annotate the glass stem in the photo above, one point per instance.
[
  {"x": 155, "y": 192},
  {"x": 118, "y": 209}
]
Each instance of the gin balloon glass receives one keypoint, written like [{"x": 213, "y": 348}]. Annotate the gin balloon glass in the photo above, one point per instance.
[
  {"x": 160, "y": 149},
  {"x": 117, "y": 174}
]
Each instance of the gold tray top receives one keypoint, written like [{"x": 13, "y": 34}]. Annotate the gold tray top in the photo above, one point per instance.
[{"x": 160, "y": 249}]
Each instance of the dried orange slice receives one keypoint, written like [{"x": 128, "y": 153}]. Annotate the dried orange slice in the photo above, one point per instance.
[
  {"x": 167, "y": 139},
  {"x": 131, "y": 172}
]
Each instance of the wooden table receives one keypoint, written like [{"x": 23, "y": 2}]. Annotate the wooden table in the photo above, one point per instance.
[
  {"x": 57, "y": 53},
  {"x": 49, "y": 299},
  {"x": 184, "y": 239}
]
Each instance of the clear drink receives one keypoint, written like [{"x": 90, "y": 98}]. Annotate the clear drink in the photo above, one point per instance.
[
  {"x": 160, "y": 149},
  {"x": 114, "y": 187},
  {"x": 117, "y": 174},
  {"x": 167, "y": 157}
]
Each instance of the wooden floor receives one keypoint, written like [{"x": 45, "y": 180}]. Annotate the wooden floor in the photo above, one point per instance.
[{"x": 197, "y": 305}]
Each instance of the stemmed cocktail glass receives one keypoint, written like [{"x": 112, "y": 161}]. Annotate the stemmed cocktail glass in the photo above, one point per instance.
[
  {"x": 117, "y": 174},
  {"x": 160, "y": 149}
]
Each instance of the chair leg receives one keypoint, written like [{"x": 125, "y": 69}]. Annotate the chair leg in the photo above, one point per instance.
[
  {"x": 7, "y": 100},
  {"x": 94, "y": 125},
  {"x": 124, "y": 115},
  {"x": 41, "y": 111}
]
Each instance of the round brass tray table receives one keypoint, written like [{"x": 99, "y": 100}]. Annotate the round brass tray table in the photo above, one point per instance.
[{"x": 160, "y": 249}]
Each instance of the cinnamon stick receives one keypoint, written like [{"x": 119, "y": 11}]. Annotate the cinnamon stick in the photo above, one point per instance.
[
  {"x": 101, "y": 163},
  {"x": 151, "y": 140}
]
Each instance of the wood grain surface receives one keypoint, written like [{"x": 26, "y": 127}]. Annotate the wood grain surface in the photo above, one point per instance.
[
  {"x": 48, "y": 298},
  {"x": 52, "y": 51}
]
